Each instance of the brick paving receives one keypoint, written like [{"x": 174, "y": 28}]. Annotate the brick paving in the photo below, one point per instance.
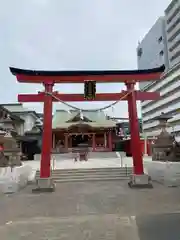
[{"x": 97, "y": 210}]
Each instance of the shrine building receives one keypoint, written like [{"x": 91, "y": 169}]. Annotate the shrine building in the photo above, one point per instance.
[{"x": 69, "y": 129}]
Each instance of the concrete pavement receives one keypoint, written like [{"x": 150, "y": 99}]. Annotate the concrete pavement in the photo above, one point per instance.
[
  {"x": 97, "y": 210},
  {"x": 91, "y": 210},
  {"x": 96, "y": 160},
  {"x": 159, "y": 226}
]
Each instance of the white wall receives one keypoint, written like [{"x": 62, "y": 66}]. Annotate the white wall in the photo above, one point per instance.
[
  {"x": 167, "y": 173},
  {"x": 11, "y": 180},
  {"x": 20, "y": 128},
  {"x": 29, "y": 121}
]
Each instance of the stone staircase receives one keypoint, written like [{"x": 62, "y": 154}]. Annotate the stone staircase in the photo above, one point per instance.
[{"x": 94, "y": 174}]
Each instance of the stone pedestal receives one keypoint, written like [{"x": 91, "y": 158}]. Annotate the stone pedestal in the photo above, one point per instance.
[
  {"x": 165, "y": 147},
  {"x": 140, "y": 181},
  {"x": 11, "y": 151},
  {"x": 14, "y": 157},
  {"x": 44, "y": 185},
  {"x": 4, "y": 162}
]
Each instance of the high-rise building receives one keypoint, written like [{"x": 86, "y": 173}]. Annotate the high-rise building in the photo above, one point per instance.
[
  {"x": 169, "y": 103},
  {"x": 172, "y": 18},
  {"x": 152, "y": 50},
  {"x": 160, "y": 46}
]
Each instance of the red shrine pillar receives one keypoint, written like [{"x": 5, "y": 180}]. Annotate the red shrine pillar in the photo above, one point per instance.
[
  {"x": 105, "y": 141},
  {"x": 93, "y": 142},
  {"x": 70, "y": 141},
  {"x": 66, "y": 142},
  {"x": 53, "y": 141},
  {"x": 110, "y": 141},
  {"x": 134, "y": 128},
  {"x": 47, "y": 133}
]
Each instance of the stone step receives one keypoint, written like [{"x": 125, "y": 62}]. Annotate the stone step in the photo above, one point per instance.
[
  {"x": 71, "y": 175},
  {"x": 84, "y": 170},
  {"x": 78, "y": 173},
  {"x": 92, "y": 179},
  {"x": 89, "y": 174},
  {"x": 86, "y": 176}
]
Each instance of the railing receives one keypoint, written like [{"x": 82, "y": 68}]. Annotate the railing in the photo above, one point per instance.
[
  {"x": 53, "y": 163},
  {"x": 126, "y": 169},
  {"x": 122, "y": 155}
]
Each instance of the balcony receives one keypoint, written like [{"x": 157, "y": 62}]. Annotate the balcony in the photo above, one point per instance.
[
  {"x": 172, "y": 24},
  {"x": 157, "y": 132},
  {"x": 172, "y": 12},
  {"x": 150, "y": 125},
  {"x": 173, "y": 34},
  {"x": 176, "y": 59},
  {"x": 174, "y": 107},
  {"x": 164, "y": 100},
  {"x": 160, "y": 84},
  {"x": 155, "y": 123}
]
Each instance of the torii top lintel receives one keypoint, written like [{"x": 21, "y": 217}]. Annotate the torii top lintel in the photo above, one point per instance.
[{"x": 79, "y": 76}]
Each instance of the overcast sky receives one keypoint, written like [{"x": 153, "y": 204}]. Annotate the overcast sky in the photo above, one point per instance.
[{"x": 72, "y": 34}]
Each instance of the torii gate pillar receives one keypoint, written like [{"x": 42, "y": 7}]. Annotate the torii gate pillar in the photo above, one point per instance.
[
  {"x": 45, "y": 183},
  {"x": 138, "y": 178}
]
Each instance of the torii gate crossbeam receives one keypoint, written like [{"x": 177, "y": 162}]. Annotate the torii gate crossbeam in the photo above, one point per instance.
[{"x": 80, "y": 97}]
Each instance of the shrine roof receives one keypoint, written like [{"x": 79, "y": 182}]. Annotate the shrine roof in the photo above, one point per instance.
[
  {"x": 18, "y": 109},
  {"x": 63, "y": 73},
  {"x": 63, "y": 119},
  {"x": 14, "y": 107},
  {"x": 164, "y": 116},
  {"x": 12, "y": 115}
]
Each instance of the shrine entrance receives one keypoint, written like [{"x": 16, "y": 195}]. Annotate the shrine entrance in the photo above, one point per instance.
[
  {"x": 80, "y": 134},
  {"x": 79, "y": 139},
  {"x": 89, "y": 79}
]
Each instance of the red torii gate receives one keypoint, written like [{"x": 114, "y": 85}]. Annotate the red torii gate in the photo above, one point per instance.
[{"x": 49, "y": 78}]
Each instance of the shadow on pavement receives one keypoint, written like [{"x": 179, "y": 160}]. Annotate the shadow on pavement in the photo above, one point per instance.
[{"x": 159, "y": 227}]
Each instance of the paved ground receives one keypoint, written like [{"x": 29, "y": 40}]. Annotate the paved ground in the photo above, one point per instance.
[
  {"x": 92, "y": 210},
  {"x": 97, "y": 210},
  {"x": 96, "y": 160}
]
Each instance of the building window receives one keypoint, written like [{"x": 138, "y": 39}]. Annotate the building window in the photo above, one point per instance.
[
  {"x": 170, "y": 29},
  {"x": 171, "y": 5},
  {"x": 174, "y": 46},
  {"x": 176, "y": 55},
  {"x": 161, "y": 53},
  {"x": 160, "y": 39},
  {"x": 174, "y": 35},
  {"x": 139, "y": 52},
  {"x": 173, "y": 15}
]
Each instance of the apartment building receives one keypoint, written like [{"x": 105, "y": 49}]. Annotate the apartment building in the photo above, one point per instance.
[
  {"x": 169, "y": 103},
  {"x": 152, "y": 50},
  {"x": 172, "y": 19},
  {"x": 169, "y": 85}
]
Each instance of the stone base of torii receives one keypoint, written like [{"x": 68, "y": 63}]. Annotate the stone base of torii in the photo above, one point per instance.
[{"x": 44, "y": 185}]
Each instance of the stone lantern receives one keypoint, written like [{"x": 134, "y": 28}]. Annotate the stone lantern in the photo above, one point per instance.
[
  {"x": 163, "y": 118},
  {"x": 164, "y": 142},
  {"x": 11, "y": 150}
]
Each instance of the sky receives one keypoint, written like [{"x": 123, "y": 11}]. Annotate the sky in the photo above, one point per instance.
[{"x": 71, "y": 35}]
